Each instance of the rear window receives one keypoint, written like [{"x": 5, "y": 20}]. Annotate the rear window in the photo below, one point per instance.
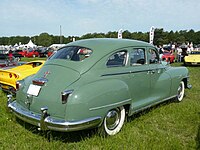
[{"x": 73, "y": 53}]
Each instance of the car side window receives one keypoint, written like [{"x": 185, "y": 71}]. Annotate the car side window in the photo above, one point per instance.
[
  {"x": 117, "y": 59},
  {"x": 137, "y": 56},
  {"x": 153, "y": 56}
]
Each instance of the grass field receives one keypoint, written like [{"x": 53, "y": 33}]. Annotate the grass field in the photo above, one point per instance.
[
  {"x": 24, "y": 59},
  {"x": 169, "y": 126}
]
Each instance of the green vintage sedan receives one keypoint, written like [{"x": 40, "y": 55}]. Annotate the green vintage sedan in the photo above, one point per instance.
[{"x": 97, "y": 83}]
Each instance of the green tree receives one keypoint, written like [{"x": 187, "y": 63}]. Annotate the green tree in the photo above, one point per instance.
[
  {"x": 160, "y": 37},
  {"x": 44, "y": 39},
  {"x": 126, "y": 34},
  {"x": 111, "y": 34}
]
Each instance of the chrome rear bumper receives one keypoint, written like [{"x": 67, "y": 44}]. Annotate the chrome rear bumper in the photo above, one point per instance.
[{"x": 48, "y": 122}]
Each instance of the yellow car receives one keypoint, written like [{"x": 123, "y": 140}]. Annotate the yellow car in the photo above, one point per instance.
[
  {"x": 9, "y": 77},
  {"x": 192, "y": 59}
]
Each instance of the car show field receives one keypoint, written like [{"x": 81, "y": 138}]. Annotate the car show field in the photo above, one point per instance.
[
  {"x": 169, "y": 125},
  {"x": 96, "y": 83},
  {"x": 99, "y": 75}
]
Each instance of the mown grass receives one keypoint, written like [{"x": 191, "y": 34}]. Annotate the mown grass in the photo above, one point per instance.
[
  {"x": 25, "y": 59},
  {"x": 167, "y": 126}
]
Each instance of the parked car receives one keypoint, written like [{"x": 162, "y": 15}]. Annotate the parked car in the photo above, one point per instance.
[
  {"x": 192, "y": 59},
  {"x": 41, "y": 50},
  {"x": 3, "y": 56},
  {"x": 46, "y": 52},
  {"x": 3, "y": 51},
  {"x": 32, "y": 53},
  {"x": 18, "y": 53},
  {"x": 168, "y": 56},
  {"x": 9, "y": 77},
  {"x": 6, "y": 61},
  {"x": 96, "y": 83}
]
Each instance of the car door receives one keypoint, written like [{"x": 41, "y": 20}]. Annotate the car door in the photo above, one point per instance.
[
  {"x": 139, "y": 82},
  {"x": 160, "y": 80}
]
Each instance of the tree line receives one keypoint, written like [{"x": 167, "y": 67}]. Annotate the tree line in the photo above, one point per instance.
[{"x": 160, "y": 37}]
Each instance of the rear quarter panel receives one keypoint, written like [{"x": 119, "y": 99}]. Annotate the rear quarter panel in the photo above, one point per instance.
[{"x": 96, "y": 98}]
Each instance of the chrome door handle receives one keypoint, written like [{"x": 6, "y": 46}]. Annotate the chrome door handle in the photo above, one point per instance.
[{"x": 151, "y": 72}]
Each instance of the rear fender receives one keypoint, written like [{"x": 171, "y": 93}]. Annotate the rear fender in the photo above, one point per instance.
[
  {"x": 96, "y": 98},
  {"x": 177, "y": 74}
]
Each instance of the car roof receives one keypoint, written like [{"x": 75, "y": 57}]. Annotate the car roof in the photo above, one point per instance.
[{"x": 102, "y": 46}]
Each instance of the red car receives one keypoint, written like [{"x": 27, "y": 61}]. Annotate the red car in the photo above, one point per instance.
[
  {"x": 168, "y": 57},
  {"x": 46, "y": 53},
  {"x": 19, "y": 52},
  {"x": 50, "y": 52},
  {"x": 32, "y": 53}
]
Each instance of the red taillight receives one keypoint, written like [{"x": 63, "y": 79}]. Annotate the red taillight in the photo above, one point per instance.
[
  {"x": 40, "y": 81},
  {"x": 10, "y": 75},
  {"x": 65, "y": 95},
  {"x": 15, "y": 76}
]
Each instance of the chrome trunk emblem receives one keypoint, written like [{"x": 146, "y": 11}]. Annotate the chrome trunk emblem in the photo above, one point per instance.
[{"x": 46, "y": 73}]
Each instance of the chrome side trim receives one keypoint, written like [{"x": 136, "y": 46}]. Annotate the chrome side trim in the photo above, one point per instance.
[
  {"x": 128, "y": 72},
  {"x": 100, "y": 107},
  {"x": 50, "y": 122}
]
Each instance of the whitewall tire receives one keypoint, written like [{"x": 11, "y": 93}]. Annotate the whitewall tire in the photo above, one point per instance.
[
  {"x": 180, "y": 91},
  {"x": 114, "y": 120}
]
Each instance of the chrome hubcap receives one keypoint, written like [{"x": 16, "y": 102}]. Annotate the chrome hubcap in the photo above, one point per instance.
[{"x": 112, "y": 119}]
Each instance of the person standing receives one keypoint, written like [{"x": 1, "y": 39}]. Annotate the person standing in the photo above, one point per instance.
[{"x": 10, "y": 55}]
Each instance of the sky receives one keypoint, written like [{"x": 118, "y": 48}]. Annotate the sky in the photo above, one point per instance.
[{"x": 79, "y": 17}]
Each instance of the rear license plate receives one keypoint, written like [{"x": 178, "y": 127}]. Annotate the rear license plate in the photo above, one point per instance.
[{"x": 33, "y": 90}]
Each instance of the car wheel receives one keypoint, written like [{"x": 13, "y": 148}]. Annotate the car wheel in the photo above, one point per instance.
[
  {"x": 114, "y": 121},
  {"x": 33, "y": 56},
  {"x": 180, "y": 91},
  {"x": 184, "y": 63}
]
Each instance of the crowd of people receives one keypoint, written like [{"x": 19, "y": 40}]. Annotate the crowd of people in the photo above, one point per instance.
[{"x": 179, "y": 51}]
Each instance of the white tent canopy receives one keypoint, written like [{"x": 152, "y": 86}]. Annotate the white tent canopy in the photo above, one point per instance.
[
  {"x": 30, "y": 44},
  {"x": 16, "y": 45}
]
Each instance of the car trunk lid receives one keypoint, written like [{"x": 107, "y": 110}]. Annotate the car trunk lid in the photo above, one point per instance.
[{"x": 44, "y": 89}]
